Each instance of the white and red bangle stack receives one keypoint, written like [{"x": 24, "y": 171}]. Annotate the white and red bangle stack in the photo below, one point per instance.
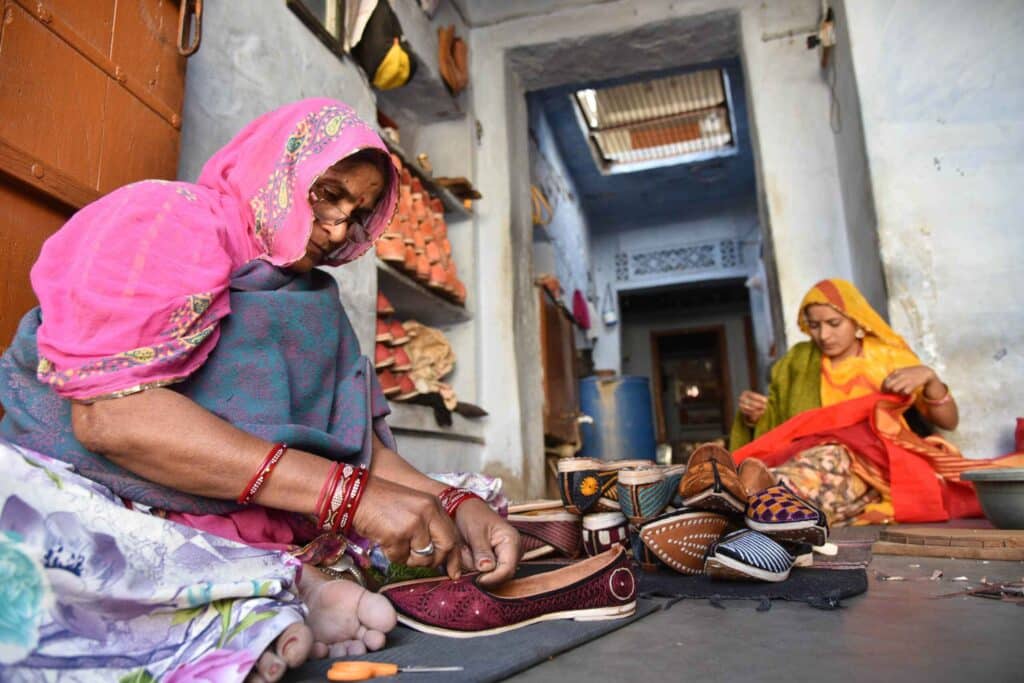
[
  {"x": 452, "y": 497},
  {"x": 339, "y": 497}
]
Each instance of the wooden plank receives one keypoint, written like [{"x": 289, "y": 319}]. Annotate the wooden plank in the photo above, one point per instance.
[
  {"x": 903, "y": 549},
  {"x": 48, "y": 179}
]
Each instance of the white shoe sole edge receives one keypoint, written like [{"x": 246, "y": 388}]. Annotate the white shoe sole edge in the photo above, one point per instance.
[
  {"x": 595, "y": 614},
  {"x": 746, "y": 569}
]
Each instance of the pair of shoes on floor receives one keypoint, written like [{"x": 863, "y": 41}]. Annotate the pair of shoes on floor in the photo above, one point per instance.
[
  {"x": 713, "y": 483},
  {"x": 590, "y": 485},
  {"x": 598, "y": 588},
  {"x": 694, "y": 542}
]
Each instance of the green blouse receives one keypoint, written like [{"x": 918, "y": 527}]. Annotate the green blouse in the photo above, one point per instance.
[{"x": 795, "y": 387}]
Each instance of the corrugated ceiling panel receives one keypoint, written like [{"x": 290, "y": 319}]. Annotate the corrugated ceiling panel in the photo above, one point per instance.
[{"x": 665, "y": 117}]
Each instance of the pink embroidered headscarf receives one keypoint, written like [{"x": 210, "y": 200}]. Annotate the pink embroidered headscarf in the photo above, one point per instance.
[{"x": 132, "y": 287}]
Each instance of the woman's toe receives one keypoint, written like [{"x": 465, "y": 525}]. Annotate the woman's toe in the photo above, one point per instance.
[
  {"x": 348, "y": 648},
  {"x": 374, "y": 639},
  {"x": 270, "y": 667},
  {"x": 294, "y": 644},
  {"x": 376, "y": 613}
]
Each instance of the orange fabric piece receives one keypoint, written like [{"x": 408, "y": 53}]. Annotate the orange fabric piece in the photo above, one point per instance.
[
  {"x": 864, "y": 373},
  {"x": 924, "y": 477}
]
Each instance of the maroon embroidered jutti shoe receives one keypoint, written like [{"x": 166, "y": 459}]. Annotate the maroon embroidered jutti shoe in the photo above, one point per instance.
[{"x": 601, "y": 587}]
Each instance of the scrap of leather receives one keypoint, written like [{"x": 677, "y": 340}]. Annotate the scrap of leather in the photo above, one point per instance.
[{"x": 453, "y": 59}]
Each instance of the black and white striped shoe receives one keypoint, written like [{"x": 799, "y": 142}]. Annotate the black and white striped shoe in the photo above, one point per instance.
[{"x": 747, "y": 555}]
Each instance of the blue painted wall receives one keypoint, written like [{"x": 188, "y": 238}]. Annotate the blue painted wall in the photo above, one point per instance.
[{"x": 656, "y": 196}]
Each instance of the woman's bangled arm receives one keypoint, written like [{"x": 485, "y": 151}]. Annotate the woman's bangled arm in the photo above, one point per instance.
[
  {"x": 167, "y": 438},
  {"x": 937, "y": 405}
]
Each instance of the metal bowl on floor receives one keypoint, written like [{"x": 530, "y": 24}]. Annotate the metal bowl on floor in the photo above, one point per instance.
[{"x": 1001, "y": 492}]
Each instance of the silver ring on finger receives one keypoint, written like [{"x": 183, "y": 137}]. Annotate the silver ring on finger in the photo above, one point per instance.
[{"x": 425, "y": 551}]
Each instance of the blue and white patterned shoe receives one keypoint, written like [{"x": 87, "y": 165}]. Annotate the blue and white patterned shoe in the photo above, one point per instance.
[{"x": 748, "y": 555}]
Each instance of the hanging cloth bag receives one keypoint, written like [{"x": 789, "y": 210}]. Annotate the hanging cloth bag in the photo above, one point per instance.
[
  {"x": 382, "y": 51},
  {"x": 608, "y": 313}
]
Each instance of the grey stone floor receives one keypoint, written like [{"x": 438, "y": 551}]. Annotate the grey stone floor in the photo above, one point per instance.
[{"x": 897, "y": 631}]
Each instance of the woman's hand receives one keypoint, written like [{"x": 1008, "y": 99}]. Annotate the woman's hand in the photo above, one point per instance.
[
  {"x": 752, "y": 407},
  {"x": 492, "y": 544},
  {"x": 906, "y": 381},
  {"x": 402, "y": 519}
]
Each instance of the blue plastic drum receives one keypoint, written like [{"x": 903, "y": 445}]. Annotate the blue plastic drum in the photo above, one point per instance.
[{"x": 623, "y": 419}]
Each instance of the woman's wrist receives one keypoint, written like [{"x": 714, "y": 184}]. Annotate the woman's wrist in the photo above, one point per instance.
[
  {"x": 452, "y": 498},
  {"x": 934, "y": 389}
]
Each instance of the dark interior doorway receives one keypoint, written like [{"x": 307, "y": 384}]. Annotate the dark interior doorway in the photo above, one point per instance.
[
  {"x": 694, "y": 341},
  {"x": 691, "y": 385}
]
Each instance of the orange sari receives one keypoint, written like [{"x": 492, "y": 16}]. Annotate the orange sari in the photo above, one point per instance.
[
  {"x": 918, "y": 479},
  {"x": 923, "y": 479}
]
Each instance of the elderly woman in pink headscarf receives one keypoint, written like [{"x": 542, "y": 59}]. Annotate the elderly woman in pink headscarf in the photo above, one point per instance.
[{"x": 194, "y": 447}]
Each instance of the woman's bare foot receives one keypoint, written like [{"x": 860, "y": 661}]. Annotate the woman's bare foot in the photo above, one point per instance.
[
  {"x": 344, "y": 617},
  {"x": 291, "y": 649}
]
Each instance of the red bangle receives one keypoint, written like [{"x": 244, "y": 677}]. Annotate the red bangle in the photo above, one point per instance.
[
  {"x": 262, "y": 474},
  {"x": 354, "y": 494},
  {"x": 452, "y": 498},
  {"x": 327, "y": 489},
  {"x": 338, "y": 482}
]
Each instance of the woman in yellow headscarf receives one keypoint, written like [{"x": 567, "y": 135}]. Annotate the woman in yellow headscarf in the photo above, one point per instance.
[{"x": 853, "y": 355}]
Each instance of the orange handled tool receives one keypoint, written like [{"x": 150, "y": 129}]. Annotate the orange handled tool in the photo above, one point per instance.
[{"x": 361, "y": 671}]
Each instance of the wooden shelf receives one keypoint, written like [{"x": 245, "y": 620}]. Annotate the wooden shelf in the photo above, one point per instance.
[
  {"x": 413, "y": 300},
  {"x": 411, "y": 418},
  {"x": 453, "y": 208}
]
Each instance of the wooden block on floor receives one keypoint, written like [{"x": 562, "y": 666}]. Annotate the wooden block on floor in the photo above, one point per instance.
[{"x": 977, "y": 544}]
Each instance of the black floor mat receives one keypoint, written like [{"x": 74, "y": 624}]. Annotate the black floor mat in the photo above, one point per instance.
[
  {"x": 821, "y": 588},
  {"x": 489, "y": 658}
]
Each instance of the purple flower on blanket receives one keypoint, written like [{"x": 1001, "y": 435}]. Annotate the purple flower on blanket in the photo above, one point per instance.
[
  {"x": 79, "y": 565},
  {"x": 24, "y": 596},
  {"x": 214, "y": 667}
]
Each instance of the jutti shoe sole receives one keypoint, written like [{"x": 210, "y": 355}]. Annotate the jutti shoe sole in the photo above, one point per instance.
[
  {"x": 718, "y": 501},
  {"x": 796, "y": 532},
  {"x": 681, "y": 539},
  {"x": 599, "y": 588}
]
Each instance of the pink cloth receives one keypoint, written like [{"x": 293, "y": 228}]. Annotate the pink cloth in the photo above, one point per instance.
[
  {"x": 579, "y": 310},
  {"x": 134, "y": 285},
  {"x": 255, "y": 525}
]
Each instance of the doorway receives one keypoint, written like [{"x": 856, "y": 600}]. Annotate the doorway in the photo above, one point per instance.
[{"x": 691, "y": 387}]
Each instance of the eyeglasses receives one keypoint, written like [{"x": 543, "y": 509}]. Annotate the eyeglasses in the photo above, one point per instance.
[{"x": 329, "y": 215}]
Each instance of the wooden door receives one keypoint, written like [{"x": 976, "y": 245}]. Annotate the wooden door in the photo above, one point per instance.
[
  {"x": 91, "y": 96},
  {"x": 558, "y": 361}
]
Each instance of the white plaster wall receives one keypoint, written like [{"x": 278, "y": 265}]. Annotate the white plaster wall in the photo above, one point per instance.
[
  {"x": 255, "y": 57},
  {"x": 942, "y": 95},
  {"x": 570, "y": 243},
  {"x": 794, "y": 148},
  {"x": 854, "y": 173}
]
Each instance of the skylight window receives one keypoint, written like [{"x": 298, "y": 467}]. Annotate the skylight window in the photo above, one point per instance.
[{"x": 676, "y": 118}]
